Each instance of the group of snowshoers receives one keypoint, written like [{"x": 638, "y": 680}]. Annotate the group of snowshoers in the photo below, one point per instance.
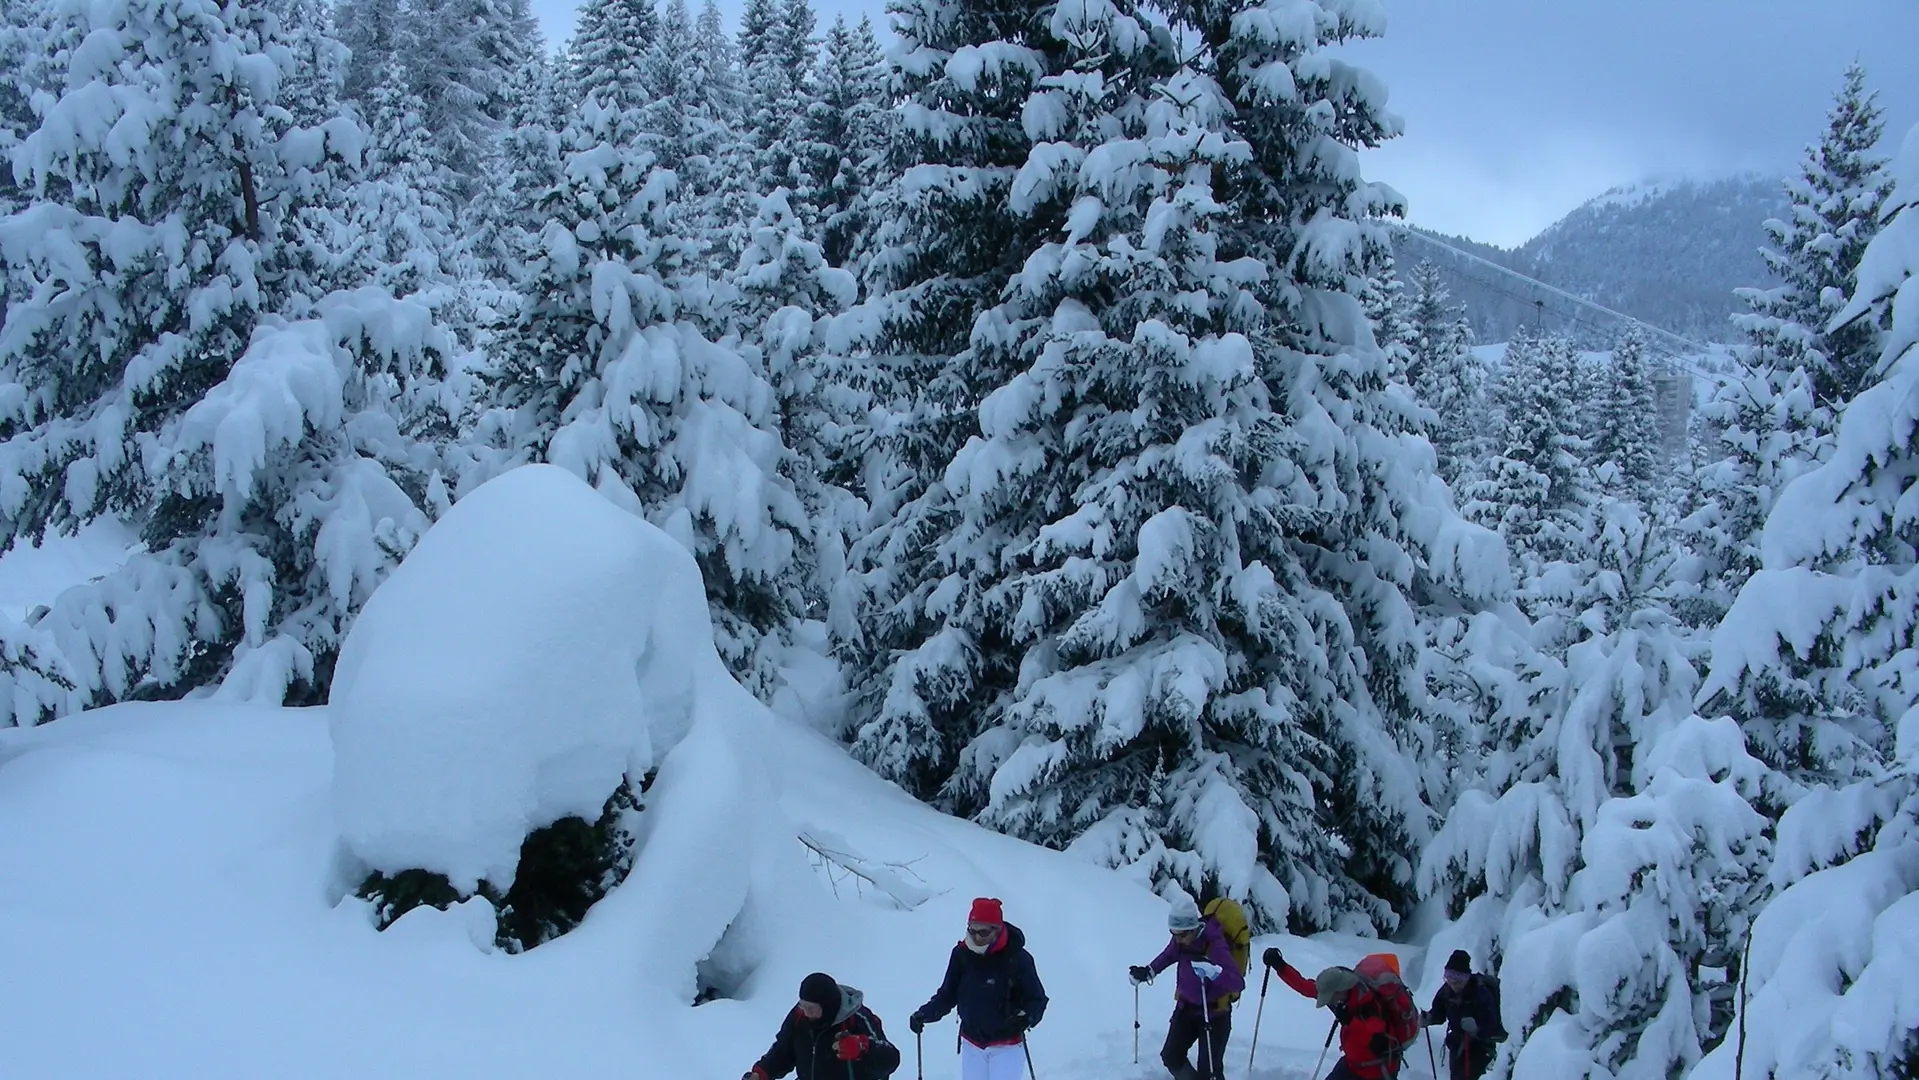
[{"x": 993, "y": 983}]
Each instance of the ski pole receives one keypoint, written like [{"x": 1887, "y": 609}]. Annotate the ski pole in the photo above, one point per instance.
[
  {"x": 1206, "y": 1039},
  {"x": 919, "y": 1055},
  {"x": 1028, "y": 1047},
  {"x": 1430, "y": 1059},
  {"x": 1258, "y": 1015},
  {"x": 1135, "y": 1023},
  {"x": 1323, "y": 1049}
]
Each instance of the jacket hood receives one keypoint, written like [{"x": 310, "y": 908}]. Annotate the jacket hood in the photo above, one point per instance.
[{"x": 850, "y": 1002}]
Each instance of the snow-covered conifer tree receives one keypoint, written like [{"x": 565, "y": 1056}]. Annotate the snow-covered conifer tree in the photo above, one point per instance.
[
  {"x": 1626, "y": 444},
  {"x": 1535, "y": 486},
  {"x": 1128, "y": 616},
  {"x": 608, "y": 373},
  {"x": 848, "y": 135},
  {"x": 607, "y": 54},
  {"x": 787, "y": 291},
  {"x": 401, "y": 212},
  {"x": 1835, "y": 204},
  {"x": 1831, "y": 616},
  {"x": 375, "y": 33},
  {"x": 1603, "y": 854},
  {"x": 1763, "y": 430},
  {"x": 210, "y": 392},
  {"x": 1445, "y": 377}
]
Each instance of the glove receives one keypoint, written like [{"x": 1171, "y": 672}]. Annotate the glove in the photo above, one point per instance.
[
  {"x": 850, "y": 1047},
  {"x": 755, "y": 1073},
  {"x": 1019, "y": 1021},
  {"x": 1140, "y": 973},
  {"x": 917, "y": 1022},
  {"x": 1206, "y": 972},
  {"x": 1273, "y": 959},
  {"x": 1469, "y": 1025},
  {"x": 1380, "y": 1045}
]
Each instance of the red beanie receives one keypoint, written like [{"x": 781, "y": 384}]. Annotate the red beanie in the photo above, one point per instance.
[{"x": 986, "y": 910}]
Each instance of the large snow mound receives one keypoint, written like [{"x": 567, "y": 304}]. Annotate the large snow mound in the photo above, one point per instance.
[{"x": 538, "y": 644}]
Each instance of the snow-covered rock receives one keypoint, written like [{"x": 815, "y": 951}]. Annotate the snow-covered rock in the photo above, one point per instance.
[{"x": 539, "y": 644}]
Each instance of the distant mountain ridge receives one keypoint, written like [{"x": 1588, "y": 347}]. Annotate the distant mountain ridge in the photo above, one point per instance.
[{"x": 1668, "y": 252}]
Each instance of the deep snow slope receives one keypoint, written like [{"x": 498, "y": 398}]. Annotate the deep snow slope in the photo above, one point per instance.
[{"x": 171, "y": 907}]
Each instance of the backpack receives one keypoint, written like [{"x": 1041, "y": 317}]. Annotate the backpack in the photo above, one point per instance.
[
  {"x": 1490, "y": 984},
  {"x": 1382, "y": 993},
  {"x": 1226, "y": 914}
]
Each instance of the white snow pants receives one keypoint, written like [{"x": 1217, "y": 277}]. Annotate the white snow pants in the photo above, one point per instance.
[{"x": 992, "y": 1062}]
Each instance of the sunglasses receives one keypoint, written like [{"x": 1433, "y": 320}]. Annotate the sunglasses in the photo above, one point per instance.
[{"x": 982, "y": 931}]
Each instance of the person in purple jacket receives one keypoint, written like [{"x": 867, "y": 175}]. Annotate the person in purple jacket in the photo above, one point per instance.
[{"x": 1202, "y": 993}]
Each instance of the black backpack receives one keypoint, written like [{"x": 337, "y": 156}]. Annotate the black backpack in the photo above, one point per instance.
[{"x": 1489, "y": 985}]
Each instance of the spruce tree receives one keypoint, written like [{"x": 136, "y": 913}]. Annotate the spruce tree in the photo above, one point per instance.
[
  {"x": 1445, "y": 377},
  {"x": 1129, "y": 613},
  {"x": 260, "y": 431},
  {"x": 1831, "y": 616},
  {"x": 1627, "y": 445},
  {"x": 375, "y": 33},
  {"x": 1835, "y": 209},
  {"x": 847, "y": 136},
  {"x": 1535, "y": 487},
  {"x": 606, "y": 58},
  {"x": 608, "y": 371}
]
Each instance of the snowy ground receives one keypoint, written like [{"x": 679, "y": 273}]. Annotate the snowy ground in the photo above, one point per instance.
[
  {"x": 174, "y": 874},
  {"x": 33, "y": 574},
  {"x": 167, "y": 872}
]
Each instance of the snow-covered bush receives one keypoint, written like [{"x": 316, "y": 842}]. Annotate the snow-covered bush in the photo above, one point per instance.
[{"x": 504, "y": 698}]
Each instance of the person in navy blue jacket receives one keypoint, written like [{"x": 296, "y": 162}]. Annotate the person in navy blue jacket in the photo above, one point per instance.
[
  {"x": 992, "y": 980},
  {"x": 1468, "y": 1005}
]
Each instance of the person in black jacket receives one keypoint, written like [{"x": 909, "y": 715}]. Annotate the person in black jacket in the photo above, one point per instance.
[
  {"x": 828, "y": 1035},
  {"x": 1466, "y": 1005},
  {"x": 992, "y": 981}
]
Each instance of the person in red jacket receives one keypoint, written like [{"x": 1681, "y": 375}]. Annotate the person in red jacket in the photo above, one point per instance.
[
  {"x": 829, "y": 1034},
  {"x": 1367, "y": 1046}
]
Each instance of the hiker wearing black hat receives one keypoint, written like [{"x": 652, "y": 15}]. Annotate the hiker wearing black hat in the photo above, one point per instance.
[
  {"x": 1468, "y": 1005},
  {"x": 830, "y": 1033}
]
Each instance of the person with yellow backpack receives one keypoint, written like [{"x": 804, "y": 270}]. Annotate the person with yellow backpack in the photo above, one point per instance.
[{"x": 1211, "y": 975}]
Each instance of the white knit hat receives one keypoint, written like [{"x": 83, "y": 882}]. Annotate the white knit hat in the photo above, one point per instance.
[{"x": 1184, "y": 915}]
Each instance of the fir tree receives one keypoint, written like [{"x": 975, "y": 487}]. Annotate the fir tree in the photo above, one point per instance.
[
  {"x": 375, "y": 33},
  {"x": 1835, "y": 209},
  {"x": 1535, "y": 488},
  {"x": 1627, "y": 444},
  {"x": 608, "y": 372},
  {"x": 606, "y": 57},
  {"x": 1831, "y": 617},
  {"x": 848, "y": 134},
  {"x": 1091, "y": 622},
  {"x": 1445, "y": 377},
  {"x": 256, "y": 429}
]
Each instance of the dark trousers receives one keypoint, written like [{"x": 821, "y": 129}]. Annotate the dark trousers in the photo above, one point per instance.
[
  {"x": 1469, "y": 1061},
  {"x": 1188, "y": 1028}
]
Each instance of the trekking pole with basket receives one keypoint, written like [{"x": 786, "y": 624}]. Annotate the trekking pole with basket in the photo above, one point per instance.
[
  {"x": 1135, "y": 1023},
  {"x": 1322, "y": 1050},
  {"x": 1258, "y": 1015}
]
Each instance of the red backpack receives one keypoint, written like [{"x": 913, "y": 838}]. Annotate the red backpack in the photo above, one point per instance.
[{"x": 1381, "y": 998}]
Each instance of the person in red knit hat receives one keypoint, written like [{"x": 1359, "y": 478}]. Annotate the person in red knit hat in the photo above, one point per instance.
[
  {"x": 992, "y": 980},
  {"x": 829, "y": 1034}
]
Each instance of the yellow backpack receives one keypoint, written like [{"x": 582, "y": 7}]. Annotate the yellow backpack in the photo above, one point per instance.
[{"x": 1231, "y": 919}]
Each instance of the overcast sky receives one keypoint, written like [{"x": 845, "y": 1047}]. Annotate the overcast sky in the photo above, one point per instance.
[{"x": 1519, "y": 110}]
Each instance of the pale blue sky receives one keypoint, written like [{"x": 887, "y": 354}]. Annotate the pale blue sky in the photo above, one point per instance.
[{"x": 1518, "y": 110}]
